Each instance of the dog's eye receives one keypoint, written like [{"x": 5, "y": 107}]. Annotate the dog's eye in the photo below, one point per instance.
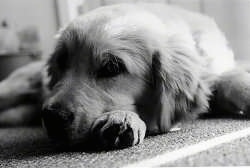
[{"x": 111, "y": 66}]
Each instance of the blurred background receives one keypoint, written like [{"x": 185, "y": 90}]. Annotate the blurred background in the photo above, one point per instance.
[{"x": 27, "y": 27}]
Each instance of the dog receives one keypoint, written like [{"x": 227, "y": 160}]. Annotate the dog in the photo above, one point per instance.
[{"x": 122, "y": 72}]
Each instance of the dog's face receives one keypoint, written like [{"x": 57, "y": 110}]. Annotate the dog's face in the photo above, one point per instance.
[
  {"x": 104, "y": 61},
  {"x": 101, "y": 63}
]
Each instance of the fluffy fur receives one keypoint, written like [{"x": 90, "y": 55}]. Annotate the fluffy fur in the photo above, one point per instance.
[{"x": 121, "y": 72}]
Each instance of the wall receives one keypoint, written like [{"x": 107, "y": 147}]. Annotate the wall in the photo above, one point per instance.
[
  {"x": 39, "y": 13},
  {"x": 232, "y": 17}
]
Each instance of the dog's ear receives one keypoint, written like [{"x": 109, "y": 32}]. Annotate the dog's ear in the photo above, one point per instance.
[
  {"x": 177, "y": 78},
  {"x": 57, "y": 64}
]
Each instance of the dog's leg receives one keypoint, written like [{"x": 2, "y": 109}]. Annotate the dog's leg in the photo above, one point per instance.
[
  {"x": 23, "y": 85},
  {"x": 118, "y": 129},
  {"x": 21, "y": 115},
  {"x": 20, "y": 96},
  {"x": 232, "y": 93}
]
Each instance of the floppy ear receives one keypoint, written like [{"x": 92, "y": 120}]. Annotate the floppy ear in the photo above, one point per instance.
[
  {"x": 177, "y": 77},
  {"x": 57, "y": 64}
]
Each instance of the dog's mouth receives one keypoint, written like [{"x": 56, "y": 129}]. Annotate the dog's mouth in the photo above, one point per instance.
[
  {"x": 63, "y": 138},
  {"x": 66, "y": 132}
]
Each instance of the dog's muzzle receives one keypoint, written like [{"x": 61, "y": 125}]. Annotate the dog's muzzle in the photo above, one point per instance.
[{"x": 57, "y": 119}]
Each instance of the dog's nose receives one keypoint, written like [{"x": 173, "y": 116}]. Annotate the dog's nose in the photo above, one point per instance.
[{"x": 56, "y": 120}]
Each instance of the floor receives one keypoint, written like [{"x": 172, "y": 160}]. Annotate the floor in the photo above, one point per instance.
[{"x": 29, "y": 147}]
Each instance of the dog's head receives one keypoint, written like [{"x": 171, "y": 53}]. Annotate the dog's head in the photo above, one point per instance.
[{"x": 120, "y": 58}]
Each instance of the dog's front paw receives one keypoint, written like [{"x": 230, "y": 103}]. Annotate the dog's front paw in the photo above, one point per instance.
[{"x": 119, "y": 129}]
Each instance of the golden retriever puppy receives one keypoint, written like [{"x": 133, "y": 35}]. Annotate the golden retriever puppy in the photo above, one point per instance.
[{"x": 121, "y": 72}]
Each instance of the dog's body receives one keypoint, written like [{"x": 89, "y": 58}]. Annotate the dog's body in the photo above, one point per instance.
[{"x": 122, "y": 71}]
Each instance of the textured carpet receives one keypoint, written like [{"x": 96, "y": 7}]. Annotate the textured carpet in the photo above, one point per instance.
[{"x": 29, "y": 147}]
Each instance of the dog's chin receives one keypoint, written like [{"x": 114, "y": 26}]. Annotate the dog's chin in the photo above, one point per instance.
[
  {"x": 69, "y": 143},
  {"x": 66, "y": 140}
]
